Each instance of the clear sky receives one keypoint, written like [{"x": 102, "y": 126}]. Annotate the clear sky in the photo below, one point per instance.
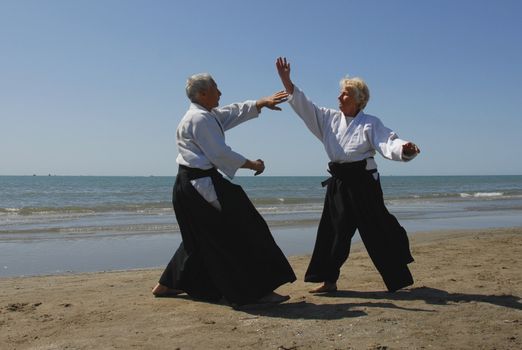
[{"x": 96, "y": 87}]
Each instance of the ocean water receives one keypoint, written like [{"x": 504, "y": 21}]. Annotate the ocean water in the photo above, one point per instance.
[{"x": 55, "y": 224}]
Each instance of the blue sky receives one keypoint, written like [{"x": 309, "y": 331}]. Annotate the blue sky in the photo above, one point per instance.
[{"x": 97, "y": 87}]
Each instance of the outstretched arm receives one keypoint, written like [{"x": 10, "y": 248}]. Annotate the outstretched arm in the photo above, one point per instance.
[
  {"x": 314, "y": 117},
  {"x": 234, "y": 114},
  {"x": 388, "y": 143},
  {"x": 283, "y": 69}
]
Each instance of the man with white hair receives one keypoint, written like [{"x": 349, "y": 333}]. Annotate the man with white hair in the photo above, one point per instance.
[{"x": 227, "y": 250}]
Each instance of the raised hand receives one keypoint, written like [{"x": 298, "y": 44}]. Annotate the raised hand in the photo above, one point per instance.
[{"x": 283, "y": 69}]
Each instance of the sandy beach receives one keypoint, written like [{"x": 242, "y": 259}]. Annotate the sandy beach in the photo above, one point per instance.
[{"x": 466, "y": 295}]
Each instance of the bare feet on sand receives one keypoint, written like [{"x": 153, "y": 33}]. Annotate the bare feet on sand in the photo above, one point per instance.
[
  {"x": 163, "y": 291},
  {"x": 326, "y": 287}
]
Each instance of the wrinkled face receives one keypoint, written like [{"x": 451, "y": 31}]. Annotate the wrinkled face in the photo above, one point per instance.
[
  {"x": 347, "y": 103},
  {"x": 210, "y": 98}
]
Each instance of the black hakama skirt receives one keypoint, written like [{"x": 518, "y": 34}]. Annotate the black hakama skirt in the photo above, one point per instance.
[
  {"x": 227, "y": 254},
  {"x": 354, "y": 200}
]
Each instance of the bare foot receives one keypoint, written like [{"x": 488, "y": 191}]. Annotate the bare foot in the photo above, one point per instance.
[
  {"x": 164, "y": 291},
  {"x": 327, "y": 287},
  {"x": 273, "y": 298}
]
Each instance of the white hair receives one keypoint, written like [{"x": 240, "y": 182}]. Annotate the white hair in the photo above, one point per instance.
[
  {"x": 198, "y": 83},
  {"x": 359, "y": 89}
]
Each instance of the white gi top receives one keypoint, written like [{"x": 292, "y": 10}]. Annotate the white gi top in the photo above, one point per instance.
[
  {"x": 200, "y": 139},
  {"x": 348, "y": 139}
]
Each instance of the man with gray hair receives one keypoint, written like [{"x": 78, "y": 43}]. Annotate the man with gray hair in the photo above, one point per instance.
[{"x": 227, "y": 250}]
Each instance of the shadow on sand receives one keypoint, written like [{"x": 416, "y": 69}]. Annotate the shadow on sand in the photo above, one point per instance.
[
  {"x": 311, "y": 311},
  {"x": 432, "y": 296}
]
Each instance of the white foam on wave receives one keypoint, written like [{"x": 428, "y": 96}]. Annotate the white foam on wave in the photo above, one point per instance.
[
  {"x": 488, "y": 194},
  {"x": 482, "y": 194},
  {"x": 9, "y": 211}
]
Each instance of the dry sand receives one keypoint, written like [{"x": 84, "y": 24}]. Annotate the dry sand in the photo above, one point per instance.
[{"x": 466, "y": 296}]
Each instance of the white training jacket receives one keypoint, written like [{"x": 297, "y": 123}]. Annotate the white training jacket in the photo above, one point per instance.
[
  {"x": 200, "y": 138},
  {"x": 348, "y": 139}
]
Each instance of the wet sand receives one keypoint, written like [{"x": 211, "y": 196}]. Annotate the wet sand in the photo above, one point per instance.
[{"x": 467, "y": 295}]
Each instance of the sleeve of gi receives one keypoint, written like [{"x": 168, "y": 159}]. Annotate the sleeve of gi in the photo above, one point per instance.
[
  {"x": 236, "y": 113},
  {"x": 387, "y": 142},
  {"x": 314, "y": 117},
  {"x": 211, "y": 140}
]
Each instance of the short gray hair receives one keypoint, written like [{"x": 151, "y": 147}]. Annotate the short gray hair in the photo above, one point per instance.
[
  {"x": 359, "y": 89},
  {"x": 198, "y": 83}
]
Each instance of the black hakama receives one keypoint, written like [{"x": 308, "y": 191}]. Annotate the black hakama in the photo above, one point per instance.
[
  {"x": 229, "y": 253},
  {"x": 354, "y": 200}
]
